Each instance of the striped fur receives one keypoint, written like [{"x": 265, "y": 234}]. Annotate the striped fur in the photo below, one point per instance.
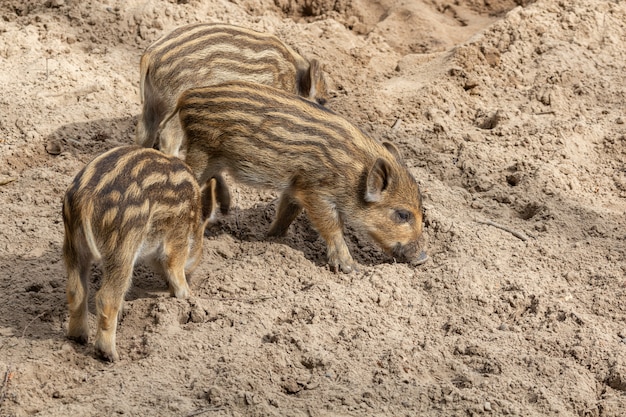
[
  {"x": 126, "y": 204},
  {"x": 320, "y": 162},
  {"x": 207, "y": 54}
]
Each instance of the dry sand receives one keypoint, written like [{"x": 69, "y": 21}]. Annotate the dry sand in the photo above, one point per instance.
[{"x": 509, "y": 113}]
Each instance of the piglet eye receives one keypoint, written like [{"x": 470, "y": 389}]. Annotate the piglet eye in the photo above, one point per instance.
[{"x": 402, "y": 216}]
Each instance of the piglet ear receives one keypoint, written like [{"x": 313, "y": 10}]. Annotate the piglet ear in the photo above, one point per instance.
[
  {"x": 312, "y": 83},
  {"x": 313, "y": 72},
  {"x": 377, "y": 180}
]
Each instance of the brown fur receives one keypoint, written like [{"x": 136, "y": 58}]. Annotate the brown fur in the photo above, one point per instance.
[
  {"x": 206, "y": 54},
  {"x": 126, "y": 204},
  {"x": 318, "y": 160}
]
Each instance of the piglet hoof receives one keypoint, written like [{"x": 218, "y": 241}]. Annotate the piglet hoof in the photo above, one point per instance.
[
  {"x": 343, "y": 266},
  {"x": 79, "y": 338},
  {"x": 107, "y": 355},
  {"x": 182, "y": 293},
  {"x": 276, "y": 231}
]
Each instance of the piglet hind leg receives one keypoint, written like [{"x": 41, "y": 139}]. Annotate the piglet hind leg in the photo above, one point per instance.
[
  {"x": 288, "y": 210},
  {"x": 145, "y": 135},
  {"x": 173, "y": 267},
  {"x": 215, "y": 193},
  {"x": 116, "y": 280},
  {"x": 77, "y": 294},
  {"x": 222, "y": 194},
  {"x": 148, "y": 123},
  {"x": 154, "y": 109}
]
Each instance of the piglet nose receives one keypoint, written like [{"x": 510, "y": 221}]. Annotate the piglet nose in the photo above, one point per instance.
[{"x": 411, "y": 254}]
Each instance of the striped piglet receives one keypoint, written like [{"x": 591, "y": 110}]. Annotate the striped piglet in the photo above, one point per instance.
[
  {"x": 209, "y": 53},
  {"x": 127, "y": 204},
  {"x": 318, "y": 160}
]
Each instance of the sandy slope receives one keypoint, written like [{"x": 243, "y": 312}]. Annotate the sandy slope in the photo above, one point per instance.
[{"x": 513, "y": 114}]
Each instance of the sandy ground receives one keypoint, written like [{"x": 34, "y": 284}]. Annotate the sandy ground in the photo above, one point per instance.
[{"x": 509, "y": 113}]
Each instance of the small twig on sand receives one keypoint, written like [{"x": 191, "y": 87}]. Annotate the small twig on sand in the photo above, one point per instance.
[
  {"x": 515, "y": 233},
  {"x": 5, "y": 384},
  {"x": 7, "y": 180},
  {"x": 237, "y": 230},
  {"x": 32, "y": 321},
  {"x": 203, "y": 410},
  {"x": 246, "y": 300}
]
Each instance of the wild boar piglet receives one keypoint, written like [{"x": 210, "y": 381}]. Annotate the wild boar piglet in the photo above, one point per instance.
[
  {"x": 319, "y": 161},
  {"x": 211, "y": 53},
  {"x": 127, "y": 204}
]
